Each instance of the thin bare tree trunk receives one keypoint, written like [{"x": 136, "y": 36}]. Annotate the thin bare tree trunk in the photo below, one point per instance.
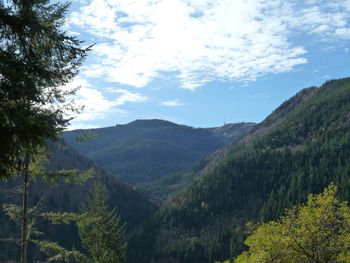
[{"x": 24, "y": 237}]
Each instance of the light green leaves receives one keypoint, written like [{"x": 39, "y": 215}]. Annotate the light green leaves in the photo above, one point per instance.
[{"x": 318, "y": 231}]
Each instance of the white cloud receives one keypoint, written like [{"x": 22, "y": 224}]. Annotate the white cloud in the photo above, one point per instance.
[
  {"x": 204, "y": 40},
  {"x": 126, "y": 96},
  {"x": 323, "y": 19},
  {"x": 96, "y": 104},
  {"x": 343, "y": 33},
  {"x": 172, "y": 103}
]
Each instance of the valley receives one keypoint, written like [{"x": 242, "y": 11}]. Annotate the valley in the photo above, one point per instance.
[
  {"x": 153, "y": 154},
  {"x": 174, "y": 131},
  {"x": 299, "y": 149},
  {"x": 189, "y": 194}
]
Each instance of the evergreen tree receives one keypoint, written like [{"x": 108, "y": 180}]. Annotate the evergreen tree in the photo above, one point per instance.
[
  {"x": 100, "y": 230},
  {"x": 36, "y": 214},
  {"x": 36, "y": 59}
]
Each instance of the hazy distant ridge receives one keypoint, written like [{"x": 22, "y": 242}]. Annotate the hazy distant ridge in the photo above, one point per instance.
[{"x": 146, "y": 150}]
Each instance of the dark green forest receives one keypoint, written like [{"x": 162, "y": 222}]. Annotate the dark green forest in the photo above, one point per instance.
[
  {"x": 152, "y": 190},
  {"x": 145, "y": 151},
  {"x": 133, "y": 207},
  {"x": 300, "y": 148}
]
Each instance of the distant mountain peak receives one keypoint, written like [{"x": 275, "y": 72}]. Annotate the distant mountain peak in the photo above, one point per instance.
[
  {"x": 146, "y": 150},
  {"x": 150, "y": 123}
]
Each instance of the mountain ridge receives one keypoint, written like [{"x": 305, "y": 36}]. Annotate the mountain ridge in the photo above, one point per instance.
[
  {"x": 306, "y": 146},
  {"x": 144, "y": 151}
]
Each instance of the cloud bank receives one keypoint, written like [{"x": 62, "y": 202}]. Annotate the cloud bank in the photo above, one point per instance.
[
  {"x": 203, "y": 40},
  {"x": 172, "y": 103},
  {"x": 96, "y": 104}
]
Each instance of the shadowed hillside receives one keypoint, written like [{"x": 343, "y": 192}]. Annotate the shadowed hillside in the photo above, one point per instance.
[
  {"x": 146, "y": 150},
  {"x": 300, "y": 148},
  {"x": 134, "y": 207}
]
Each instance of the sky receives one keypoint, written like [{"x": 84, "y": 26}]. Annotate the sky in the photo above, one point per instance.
[{"x": 203, "y": 63}]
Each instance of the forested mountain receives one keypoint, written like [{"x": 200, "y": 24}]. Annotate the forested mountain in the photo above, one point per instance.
[
  {"x": 144, "y": 151},
  {"x": 132, "y": 205},
  {"x": 300, "y": 148},
  {"x": 134, "y": 208},
  {"x": 229, "y": 132}
]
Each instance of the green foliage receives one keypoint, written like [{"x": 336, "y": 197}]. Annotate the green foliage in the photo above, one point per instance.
[
  {"x": 37, "y": 58},
  {"x": 56, "y": 253},
  {"x": 62, "y": 199},
  {"x": 34, "y": 215},
  {"x": 144, "y": 151},
  {"x": 73, "y": 176},
  {"x": 59, "y": 217},
  {"x": 100, "y": 230},
  {"x": 302, "y": 147},
  {"x": 86, "y": 136},
  {"x": 37, "y": 170},
  {"x": 53, "y": 250},
  {"x": 315, "y": 232},
  {"x": 12, "y": 211}
]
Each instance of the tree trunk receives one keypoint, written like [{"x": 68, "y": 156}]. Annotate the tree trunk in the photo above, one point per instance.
[{"x": 24, "y": 237}]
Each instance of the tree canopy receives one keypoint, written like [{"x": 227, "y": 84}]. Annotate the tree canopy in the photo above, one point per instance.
[
  {"x": 100, "y": 230},
  {"x": 318, "y": 231},
  {"x": 37, "y": 58}
]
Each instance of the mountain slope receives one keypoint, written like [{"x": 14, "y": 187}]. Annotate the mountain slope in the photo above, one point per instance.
[
  {"x": 298, "y": 149},
  {"x": 231, "y": 131},
  {"x": 144, "y": 151},
  {"x": 134, "y": 207}
]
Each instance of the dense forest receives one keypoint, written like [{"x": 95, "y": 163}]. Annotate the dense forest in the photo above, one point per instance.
[
  {"x": 300, "y": 148},
  {"x": 152, "y": 190},
  {"x": 132, "y": 206},
  {"x": 315, "y": 232},
  {"x": 145, "y": 151}
]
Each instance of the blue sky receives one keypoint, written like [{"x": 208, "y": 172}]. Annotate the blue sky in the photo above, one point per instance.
[{"x": 203, "y": 63}]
